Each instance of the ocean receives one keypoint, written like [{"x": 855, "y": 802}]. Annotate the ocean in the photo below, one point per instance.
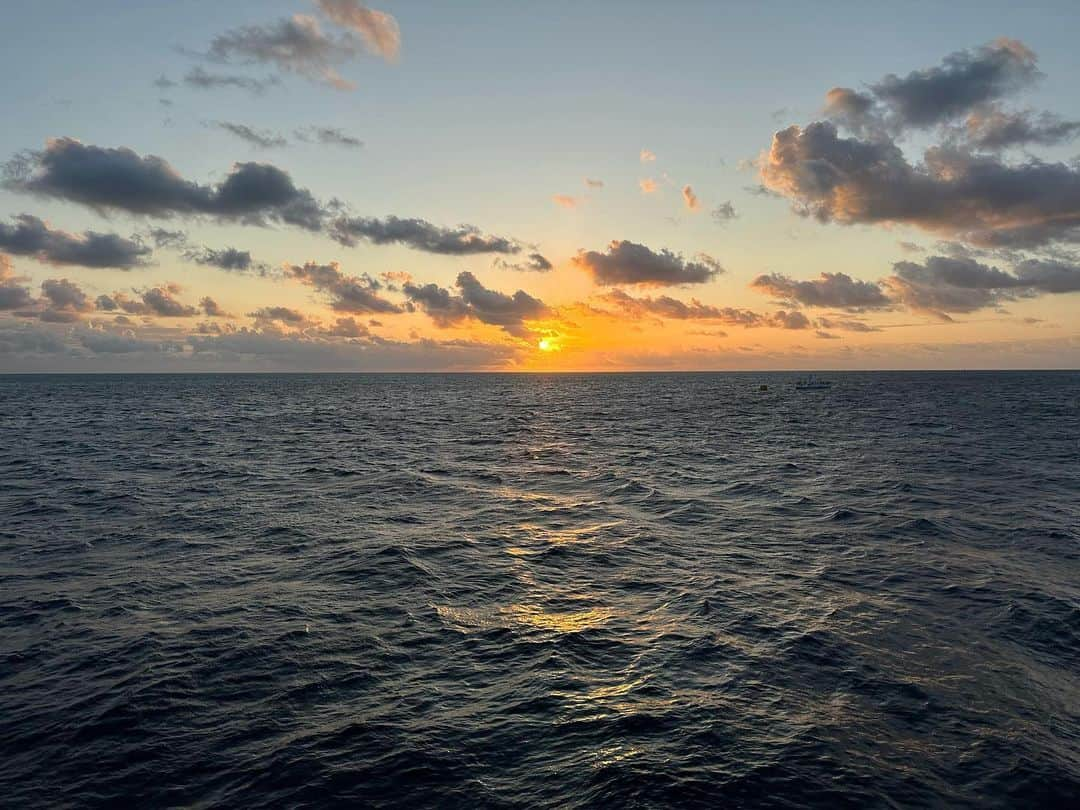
[{"x": 564, "y": 591}]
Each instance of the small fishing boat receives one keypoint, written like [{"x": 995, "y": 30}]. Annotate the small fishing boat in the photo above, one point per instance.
[{"x": 812, "y": 383}]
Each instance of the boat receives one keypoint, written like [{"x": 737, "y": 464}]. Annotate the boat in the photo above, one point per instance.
[{"x": 812, "y": 383}]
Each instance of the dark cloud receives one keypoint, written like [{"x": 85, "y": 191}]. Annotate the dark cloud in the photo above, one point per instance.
[
  {"x": 347, "y": 293},
  {"x": 64, "y": 301},
  {"x": 201, "y": 79},
  {"x": 945, "y": 284},
  {"x": 761, "y": 191},
  {"x": 292, "y": 317},
  {"x": 852, "y": 110},
  {"x": 664, "y": 306},
  {"x": 328, "y": 136},
  {"x": 295, "y": 45},
  {"x": 724, "y": 213},
  {"x": 212, "y": 308},
  {"x": 159, "y": 301},
  {"x": 535, "y": 263},
  {"x": 29, "y": 340},
  {"x": 101, "y": 342},
  {"x": 30, "y": 236},
  {"x": 419, "y": 235},
  {"x": 964, "y": 81},
  {"x": 846, "y": 325},
  {"x": 1048, "y": 276},
  {"x": 475, "y": 301},
  {"x": 12, "y": 294},
  {"x": 835, "y": 290},
  {"x": 248, "y": 348},
  {"x": 974, "y": 198},
  {"x": 262, "y": 139},
  {"x": 630, "y": 263},
  {"x": 793, "y": 319},
  {"x": 994, "y": 128},
  {"x": 378, "y": 29},
  {"x": 346, "y": 328},
  {"x": 164, "y": 238},
  {"x": 229, "y": 258},
  {"x": 119, "y": 179}
]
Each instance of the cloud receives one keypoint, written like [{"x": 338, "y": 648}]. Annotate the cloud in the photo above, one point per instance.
[
  {"x": 111, "y": 343},
  {"x": 974, "y": 198},
  {"x": 328, "y": 136},
  {"x": 346, "y": 327},
  {"x": 31, "y": 236},
  {"x": 648, "y": 185},
  {"x": 475, "y": 301},
  {"x": 836, "y": 290},
  {"x": 261, "y": 139},
  {"x": 646, "y": 156},
  {"x": 965, "y": 80},
  {"x": 724, "y": 213},
  {"x": 535, "y": 263},
  {"x": 419, "y": 235},
  {"x": 347, "y": 293},
  {"x": 211, "y": 308},
  {"x": 295, "y": 45},
  {"x": 565, "y": 201},
  {"x": 29, "y": 340},
  {"x": 246, "y": 348},
  {"x": 962, "y": 188},
  {"x": 285, "y": 315},
  {"x": 846, "y": 325},
  {"x": 664, "y": 306},
  {"x": 993, "y": 128},
  {"x": 164, "y": 238},
  {"x": 627, "y": 262},
  {"x": 12, "y": 294},
  {"x": 64, "y": 301},
  {"x": 379, "y": 30},
  {"x": 201, "y": 79},
  {"x": 690, "y": 199},
  {"x": 119, "y": 179},
  {"x": 1048, "y": 276},
  {"x": 789, "y": 320},
  {"x": 158, "y": 301},
  {"x": 229, "y": 258}
]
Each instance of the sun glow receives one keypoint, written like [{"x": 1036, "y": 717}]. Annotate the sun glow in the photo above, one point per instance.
[{"x": 548, "y": 344}]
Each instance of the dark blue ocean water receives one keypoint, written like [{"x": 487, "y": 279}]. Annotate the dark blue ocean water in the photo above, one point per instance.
[{"x": 540, "y": 591}]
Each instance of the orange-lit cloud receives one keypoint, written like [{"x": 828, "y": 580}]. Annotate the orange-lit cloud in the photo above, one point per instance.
[{"x": 690, "y": 199}]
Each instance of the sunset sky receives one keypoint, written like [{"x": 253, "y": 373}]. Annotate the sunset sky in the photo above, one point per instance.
[{"x": 306, "y": 185}]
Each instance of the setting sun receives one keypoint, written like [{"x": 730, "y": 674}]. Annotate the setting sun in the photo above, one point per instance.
[{"x": 548, "y": 344}]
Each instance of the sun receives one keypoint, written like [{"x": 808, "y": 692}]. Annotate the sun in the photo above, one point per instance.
[{"x": 548, "y": 344}]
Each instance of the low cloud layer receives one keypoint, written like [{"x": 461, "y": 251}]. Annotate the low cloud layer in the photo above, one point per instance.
[{"x": 626, "y": 262}]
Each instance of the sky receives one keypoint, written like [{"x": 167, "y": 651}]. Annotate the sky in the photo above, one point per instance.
[{"x": 320, "y": 185}]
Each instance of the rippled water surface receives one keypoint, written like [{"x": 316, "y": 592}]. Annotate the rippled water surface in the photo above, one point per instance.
[{"x": 542, "y": 591}]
